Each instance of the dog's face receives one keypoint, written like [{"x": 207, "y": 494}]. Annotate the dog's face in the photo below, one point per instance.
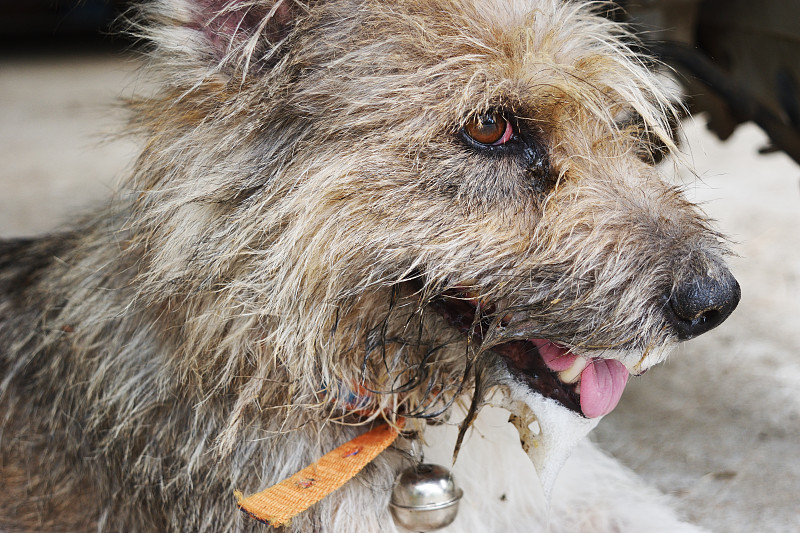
[{"x": 425, "y": 197}]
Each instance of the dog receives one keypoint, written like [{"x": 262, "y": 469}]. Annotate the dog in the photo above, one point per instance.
[{"x": 348, "y": 214}]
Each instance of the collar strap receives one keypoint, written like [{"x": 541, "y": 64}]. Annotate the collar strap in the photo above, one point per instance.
[{"x": 277, "y": 505}]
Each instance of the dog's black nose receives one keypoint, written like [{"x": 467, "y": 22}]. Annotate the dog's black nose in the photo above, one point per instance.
[{"x": 702, "y": 302}]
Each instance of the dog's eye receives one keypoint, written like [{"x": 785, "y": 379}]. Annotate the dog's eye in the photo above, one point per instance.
[{"x": 489, "y": 128}]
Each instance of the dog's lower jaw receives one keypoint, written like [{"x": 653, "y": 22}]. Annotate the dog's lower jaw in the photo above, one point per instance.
[
  {"x": 549, "y": 413},
  {"x": 548, "y": 431}
]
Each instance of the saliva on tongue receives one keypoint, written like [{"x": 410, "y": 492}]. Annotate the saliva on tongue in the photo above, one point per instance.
[{"x": 602, "y": 381}]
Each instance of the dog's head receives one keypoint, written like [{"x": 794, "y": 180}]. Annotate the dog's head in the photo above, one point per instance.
[{"x": 420, "y": 199}]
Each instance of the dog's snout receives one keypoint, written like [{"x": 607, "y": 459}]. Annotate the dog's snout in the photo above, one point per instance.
[{"x": 702, "y": 302}]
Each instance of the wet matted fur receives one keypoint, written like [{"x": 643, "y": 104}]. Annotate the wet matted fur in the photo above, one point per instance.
[{"x": 313, "y": 241}]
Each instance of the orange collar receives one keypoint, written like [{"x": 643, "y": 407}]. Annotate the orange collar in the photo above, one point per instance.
[{"x": 278, "y": 504}]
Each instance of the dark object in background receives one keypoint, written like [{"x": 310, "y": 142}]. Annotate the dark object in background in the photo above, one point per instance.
[
  {"x": 738, "y": 60},
  {"x": 39, "y": 20}
]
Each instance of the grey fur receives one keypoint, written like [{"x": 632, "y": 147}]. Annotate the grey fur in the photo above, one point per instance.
[{"x": 303, "y": 193}]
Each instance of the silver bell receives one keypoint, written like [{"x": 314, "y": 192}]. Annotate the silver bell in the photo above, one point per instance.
[{"x": 425, "y": 498}]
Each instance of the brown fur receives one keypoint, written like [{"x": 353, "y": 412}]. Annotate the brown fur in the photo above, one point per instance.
[{"x": 302, "y": 195}]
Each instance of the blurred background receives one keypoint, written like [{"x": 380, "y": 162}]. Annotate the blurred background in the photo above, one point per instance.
[{"x": 717, "y": 427}]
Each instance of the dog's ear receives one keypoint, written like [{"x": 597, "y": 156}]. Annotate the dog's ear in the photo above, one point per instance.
[
  {"x": 227, "y": 22},
  {"x": 224, "y": 31}
]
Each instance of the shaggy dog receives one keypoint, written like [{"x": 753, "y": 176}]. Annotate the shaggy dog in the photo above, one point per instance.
[{"x": 347, "y": 213}]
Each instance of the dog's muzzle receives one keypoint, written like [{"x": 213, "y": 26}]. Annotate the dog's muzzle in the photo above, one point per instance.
[{"x": 588, "y": 386}]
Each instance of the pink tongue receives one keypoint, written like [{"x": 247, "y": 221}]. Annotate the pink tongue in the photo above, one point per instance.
[{"x": 602, "y": 383}]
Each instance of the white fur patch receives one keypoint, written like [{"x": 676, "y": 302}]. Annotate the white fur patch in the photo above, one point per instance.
[
  {"x": 559, "y": 430},
  {"x": 593, "y": 493}
]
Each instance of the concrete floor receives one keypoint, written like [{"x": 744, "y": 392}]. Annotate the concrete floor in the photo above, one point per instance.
[
  {"x": 717, "y": 427},
  {"x": 57, "y": 114}
]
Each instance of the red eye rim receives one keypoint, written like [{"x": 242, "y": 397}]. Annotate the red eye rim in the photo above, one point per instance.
[
  {"x": 507, "y": 134},
  {"x": 489, "y": 129}
]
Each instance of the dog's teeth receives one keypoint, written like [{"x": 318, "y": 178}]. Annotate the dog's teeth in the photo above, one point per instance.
[{"x": 573, "y": 373}]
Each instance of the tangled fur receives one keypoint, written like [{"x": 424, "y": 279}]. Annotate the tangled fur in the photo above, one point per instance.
[{"x": 304, "y": 194}]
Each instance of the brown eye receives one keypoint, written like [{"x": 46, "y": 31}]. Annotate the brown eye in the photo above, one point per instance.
[{"x": 489, "y": 128}]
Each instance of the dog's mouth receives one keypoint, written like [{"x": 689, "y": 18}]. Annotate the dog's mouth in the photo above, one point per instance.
[{"x": 589, "y": 386}]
